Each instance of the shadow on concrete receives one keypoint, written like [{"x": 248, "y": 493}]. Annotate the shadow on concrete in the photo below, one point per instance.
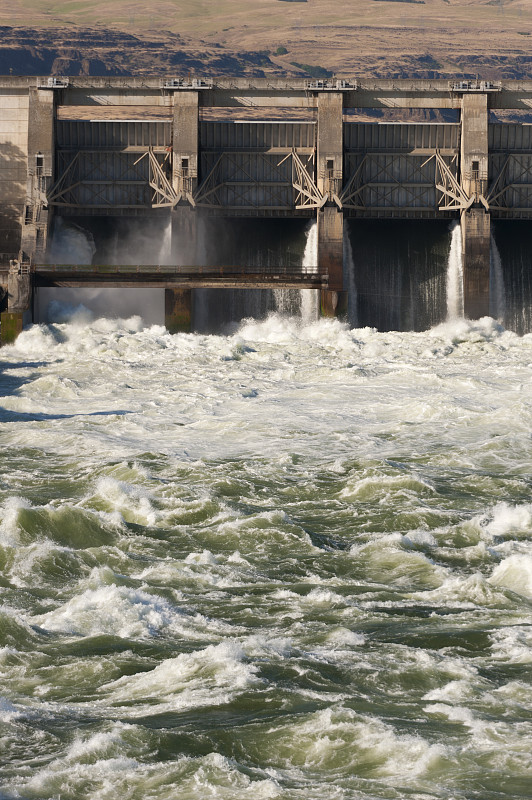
[{"x": 13, "y": 170}]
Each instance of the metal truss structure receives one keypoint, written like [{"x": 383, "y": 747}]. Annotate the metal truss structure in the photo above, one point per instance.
[
  {"x": 380, "y": 183},
  {"x": 236, "y": 181},
  {"x": 307, "y": 193},
  {"x": 452, "y": 195},
  {"x": 240, "y": 180},
  {"x": 112, "y": 179},
  {"x": 511, "y": 189},
  {"x": 391, "y": 183},
  {"x": 164, "y": 194}
]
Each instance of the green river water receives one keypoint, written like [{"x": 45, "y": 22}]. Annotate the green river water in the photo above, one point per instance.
[{"x": 294, "y": 562}]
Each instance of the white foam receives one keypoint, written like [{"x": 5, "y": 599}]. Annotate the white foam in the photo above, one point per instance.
[
  {"x": 512, "y": 645},
  {"x": 111, "y": 610},
  {"x": 343, "y": 637},
  {"x": 453, "y": 713},
  {"x": 485, "y": 329},
  {"x": 324, "y": 598},
  {"x": 206, "y": 557},
  {"x": 10, "y": 532},
  {"x": 419, "y": 538},
  {"x": 515, "y": 693},
  {"x": 340, "y": 739},
  {"x": 373, "y": 487},
  {"x": 209, "y": 677},
  {"x": 515, "y": 573},
  {"x": 8, "y": 712},
  {"x": 508, "y": 520},
  {"x": 259, "y": 646},
  {"x": 452, "y": 692},
  {"x": 133, "y": 502},
  {"x": 465, "y": 592}
]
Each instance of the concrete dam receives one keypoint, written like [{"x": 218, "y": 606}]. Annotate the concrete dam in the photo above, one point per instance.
[{"x": 190, "y": 152}]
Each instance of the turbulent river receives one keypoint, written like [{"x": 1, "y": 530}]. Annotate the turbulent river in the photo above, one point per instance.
[{"x": 292, "y": 562}]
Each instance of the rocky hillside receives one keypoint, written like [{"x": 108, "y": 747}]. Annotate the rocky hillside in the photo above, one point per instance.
[
  {"x": 63, "y": 51},
  {"x": 382, "y": 38}
]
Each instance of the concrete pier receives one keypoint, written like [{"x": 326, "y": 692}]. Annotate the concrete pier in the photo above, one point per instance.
[
  {"x": 178, "y": 310},
  {"x": 11, "y": 325},
  {"x": 476, "y": 238},
  {"x": 185, "y": 144},
  {"x": 474, "y": 146},
  {"x": 475, "y": 220},
  {"x": 331, "y": 259},
  {"x": 41, "y": 160},
  {"x": 330, "y": 218},
  {"x": 19, "y": 302},
  {"x": 330, "y": 150}
]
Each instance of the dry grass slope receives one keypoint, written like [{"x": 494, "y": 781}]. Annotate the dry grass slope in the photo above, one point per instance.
[{"x": 396, "y": 38}]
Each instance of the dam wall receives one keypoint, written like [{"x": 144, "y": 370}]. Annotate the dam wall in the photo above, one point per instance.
[{"x": 190, "y": 149}]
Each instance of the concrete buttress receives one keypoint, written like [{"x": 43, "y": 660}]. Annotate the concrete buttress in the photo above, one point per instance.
[
  {"x": 185, "y": 143},
  {"x": 178, "y": 310},
  {"x": 330, "y": 143},
  {"x": 475, "y": 222},
  {"x": 475, "y": 225},
  {"x": 41, "y": 154},
  {"x": 35, "y": 218},
  {"x": 19, "y": 295},
  {"x": 331, "y": 258},
  {"x": 330, "y": 217}
]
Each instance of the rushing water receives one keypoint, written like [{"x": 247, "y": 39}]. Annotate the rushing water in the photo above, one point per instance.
[
  {"x": 294, "y": 562},
  {"x": 455, "y": 276}
]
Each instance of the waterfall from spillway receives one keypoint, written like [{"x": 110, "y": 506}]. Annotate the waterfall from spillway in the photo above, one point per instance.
[
  {"x": 71, "y": 244},
  {"x": 165, "y": 250},
  {"x": 75, "y": 244},
  {"x": 455, "y": 276},
  {"x": 217, "y": 310},
  {"x": 497, "y": 289},
  {"x": 349, "y": 271},
  {"x": 310, "y": 297}
]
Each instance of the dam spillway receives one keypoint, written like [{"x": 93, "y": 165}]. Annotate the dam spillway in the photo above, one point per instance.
[{"x": 191, "y": 149}]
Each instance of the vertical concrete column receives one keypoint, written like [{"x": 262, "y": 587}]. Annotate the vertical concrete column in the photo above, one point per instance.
[
  {"x": 474, "y": 144},
  {"x": 185, "y": 142},
  {"x": 11, "y": 324},
  {"x": 331, "y": 258},
  {"x": 178, "y": 310},
  {"x": 475, "y": 222},
  {"x": 475, "y": 225},
  {"x": 41, "y": 157},
  {"x": 330, "y": 218},
  {"x": 13, "y": 171},
  {"x": 330, "y": 143},
  {"x": 19, "y": 294}
]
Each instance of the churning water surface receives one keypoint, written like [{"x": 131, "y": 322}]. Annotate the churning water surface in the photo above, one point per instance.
[{"x": 294, "y": 562}]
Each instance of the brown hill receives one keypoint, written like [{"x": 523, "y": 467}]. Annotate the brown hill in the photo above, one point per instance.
[{"x": 384, "y": 38}]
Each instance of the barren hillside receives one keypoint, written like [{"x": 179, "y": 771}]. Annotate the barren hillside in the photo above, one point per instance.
[{"x": 387, "y": 38}]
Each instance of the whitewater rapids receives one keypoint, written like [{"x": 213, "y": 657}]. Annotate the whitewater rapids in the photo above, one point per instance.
[{"x": 295, "y": 562}]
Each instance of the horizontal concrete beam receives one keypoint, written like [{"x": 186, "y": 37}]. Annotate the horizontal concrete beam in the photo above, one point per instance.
[
  {"x": 250, "y": 282},
  {"x": 168, "y": 277},
  {"x": 283, "y": 92}
]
